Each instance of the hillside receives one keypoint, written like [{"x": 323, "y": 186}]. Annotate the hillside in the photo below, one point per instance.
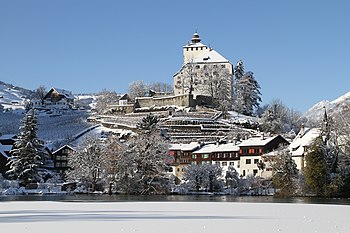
[
  {"x": 335, "y": 107},
  {"x": 12, "y": 97}
]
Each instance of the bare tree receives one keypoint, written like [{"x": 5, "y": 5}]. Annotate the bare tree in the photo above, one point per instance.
[
  {"x": 87, "y": 164},
  {"x": 137, "y": 89},
  {"x": 161, "y": 87},
  {"x": 188, "y": 78},
  {"x": 104, "y": 99},
  {"x": 40, "y": 93}
]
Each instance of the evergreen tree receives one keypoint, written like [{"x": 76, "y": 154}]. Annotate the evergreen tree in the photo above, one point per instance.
[
  {"x": 148, "y": 123},
  {"x": 316, "y": 174},
  {"x": 239, "y": 70},
  {"x": 285, "y": 173},
  {"x": 247, "y": 94},
  {"x": 28, "y": 153}
]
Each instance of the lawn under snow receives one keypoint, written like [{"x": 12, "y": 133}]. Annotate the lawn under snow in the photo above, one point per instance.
[{"x": 171, "y": 217}]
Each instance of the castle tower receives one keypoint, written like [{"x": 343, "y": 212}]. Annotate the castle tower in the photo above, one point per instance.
[{"x": 193, "y": 48}]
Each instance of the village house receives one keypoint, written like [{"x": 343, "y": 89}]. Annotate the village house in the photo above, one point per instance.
[
  {"x": 182, "y": 156},
  {"x": 55, "y": 99},
  {"x": 60, "y": 158},
  {"x": 224, "y": 155},
  {"x": 252, "y": 151},
  {"x": 125, "y": 105},
  {"x": 6, "y": 145},
  {"x": 299, "y": 146}
]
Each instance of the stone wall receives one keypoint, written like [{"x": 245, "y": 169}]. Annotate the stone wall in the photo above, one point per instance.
[{"x": 185, "y": 100}]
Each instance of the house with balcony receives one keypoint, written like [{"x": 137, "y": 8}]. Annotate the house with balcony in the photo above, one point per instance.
[
  {"x": 253, "y": 150},
  {"x": 60, "y": 158}
]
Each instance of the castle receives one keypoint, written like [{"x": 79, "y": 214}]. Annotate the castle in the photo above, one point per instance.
[{"x": 201, "y": 65}]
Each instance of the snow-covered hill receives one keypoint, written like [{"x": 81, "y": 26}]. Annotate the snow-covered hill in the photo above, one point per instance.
[
  {"x": 12, "y": 97},
  {"x": 315, "y": 113}
]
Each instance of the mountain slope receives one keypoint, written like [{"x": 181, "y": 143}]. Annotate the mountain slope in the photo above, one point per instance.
[
  {"x": 335, "y": 107},
  {"x": 13, "y": 97}
]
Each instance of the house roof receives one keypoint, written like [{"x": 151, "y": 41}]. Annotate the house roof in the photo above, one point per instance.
[
  {"x": 65, "y": 93},
  {"x": 7, "y": 136},
  {"x": 4, "y": 149},
  {"x": 62, "y": 147},
  {"x": 258, "y": 141},
  {"x": 302, "y": 140},
  {"x": 185, "y": 147},
  {"x": 209, "y": 56},
  {"x": 211, "y": 148}
]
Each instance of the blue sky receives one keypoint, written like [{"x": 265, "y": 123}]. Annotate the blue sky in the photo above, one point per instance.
[{"x": 298, "y": 50}]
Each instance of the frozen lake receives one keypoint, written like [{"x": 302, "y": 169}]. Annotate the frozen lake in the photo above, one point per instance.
[{"x": 172, "y": 217}]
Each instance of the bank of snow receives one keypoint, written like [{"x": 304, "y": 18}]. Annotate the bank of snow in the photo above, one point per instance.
[{"x": 171, "y": 217}]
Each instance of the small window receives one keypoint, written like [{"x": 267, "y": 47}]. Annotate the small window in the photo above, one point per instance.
[
  {"x": 217, "y": 163},
  {"x": 224, "y": 164},
  {"x": 248, "y": 161},
  {"x": 205, "y": 156},
  {"x": 178, "y": 170},
  {"x": 58, "y": 157},
  {"x": 222, "y": 66},
  {"x": 256, "y": 161},
  {"x": 232, "y": 163},
  {"x": 255, "y": 171},
  {"x": 194, "y": 156}
]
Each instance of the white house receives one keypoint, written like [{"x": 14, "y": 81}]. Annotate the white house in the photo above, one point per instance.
[{"x": 298, "y": 147}]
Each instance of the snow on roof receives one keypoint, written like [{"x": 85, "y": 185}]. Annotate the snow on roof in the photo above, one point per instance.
[
  {"x": 62, "y": 148},
  {"x": 7, "y": 136},
  {"x": 210, "y": 148},
  {"x": 302, "y": 140},
  {"x": 209, "y": 56},
  {"x": 185, "y": 147},
  {"x": 65, "y": 93},
  {"x": 4, "y": 148},
  {"x": 257, "y": 141}
]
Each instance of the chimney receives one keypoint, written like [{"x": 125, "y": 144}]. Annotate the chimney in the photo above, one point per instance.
[
  {"x": 302, "y": 130},
  {"x": 262, "y": 136}
]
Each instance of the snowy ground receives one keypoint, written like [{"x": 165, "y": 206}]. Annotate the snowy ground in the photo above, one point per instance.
[{"x": 184, "y": 217}]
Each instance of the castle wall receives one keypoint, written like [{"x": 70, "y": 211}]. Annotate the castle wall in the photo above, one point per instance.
[{"x": 185, "y": 100}]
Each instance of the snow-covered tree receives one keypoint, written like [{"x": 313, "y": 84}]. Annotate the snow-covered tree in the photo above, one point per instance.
[
  {"x": 189, "y": 78},
  {"x": 142, "y": 165},
  {"x": 148, "y": 123},
  {"x": 28, "y": 152},
  {"x": 285, "y": 173},
  {"x": 203, "y": 177},
  {"x": 104, "y": 99},
  {"x": 137, "y": 89},
  {"x": 232, "y": 178},
  {"x": 217, "y": 83},
  {"x": 88, "y": 163},
  {"x": 246, "y": 94},
  {"x": 239, "y": 70},
  {"x": 278, "y": 118}
]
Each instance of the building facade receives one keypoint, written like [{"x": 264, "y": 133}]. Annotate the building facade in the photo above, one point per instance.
[{"x": 201, "y": 66}]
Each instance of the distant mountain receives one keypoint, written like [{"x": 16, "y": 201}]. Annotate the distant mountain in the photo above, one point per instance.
[
  {"x": 341, "y": 105},
  {"x": 13, "y": 97}
]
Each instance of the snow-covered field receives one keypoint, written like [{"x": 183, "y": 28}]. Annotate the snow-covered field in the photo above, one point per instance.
[{"x": 172, "y": 217}]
